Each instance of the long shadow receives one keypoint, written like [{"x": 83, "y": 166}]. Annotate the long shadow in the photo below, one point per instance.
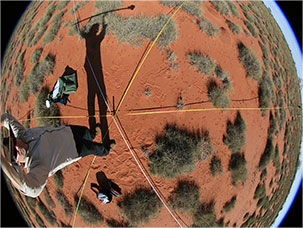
[
  {"x": 104, "y": 186},
  {"x": 94, "y": 71}
]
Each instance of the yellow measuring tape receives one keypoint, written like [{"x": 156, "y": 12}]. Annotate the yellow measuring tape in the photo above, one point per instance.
[{"x": 157, "y": 112}]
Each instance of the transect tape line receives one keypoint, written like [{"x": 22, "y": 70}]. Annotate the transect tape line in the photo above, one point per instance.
[
  {"x": 105, "y": 101},
  {"x": 156, "y": 112}
]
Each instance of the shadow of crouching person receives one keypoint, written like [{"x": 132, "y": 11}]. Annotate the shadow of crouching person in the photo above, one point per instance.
[{"x": 105, "y": 189}]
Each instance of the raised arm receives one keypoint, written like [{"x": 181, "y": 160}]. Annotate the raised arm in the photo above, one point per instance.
[{"x": 8, "y": 120}]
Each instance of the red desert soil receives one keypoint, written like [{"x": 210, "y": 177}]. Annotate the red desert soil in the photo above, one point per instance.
[{"x": 119, "y": 61}]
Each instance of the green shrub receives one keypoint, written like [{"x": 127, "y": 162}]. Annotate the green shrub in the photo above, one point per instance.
[
  {"x": 215, "y": 166},
  {"x": 250, "y": 62},
  {"x": 67, "y": 207},
  {"x": 235, "y": 134},
  {"x": 207, "y": 27},
  {"x": 217, "y": 96},
  {"x": 185, "y": 197},
  {"x": 88, "y": 212},
  {"x": 205, "y": 216},
  {"x": 228, "y": 206},
  {"x": 260, "y": 191},
  {"x": 58, "y": 179},
  {"x": 204, "y": 64},
  {"x": 24, "y": 91},
  {"x": 47, "y": 214},
  {"x": 238, "y": 168},
  {"x": 267, "y": 154},
  {"x": 236, "y": 29},
  {"x": 176, "y": 152},
  {"x": 42, "y": 111},
  {"x": 35, "y": 56},
  {"x": 140, "y": 206}
]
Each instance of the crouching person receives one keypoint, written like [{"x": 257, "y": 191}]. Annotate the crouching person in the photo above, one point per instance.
[{"x": 42, "y": 151}]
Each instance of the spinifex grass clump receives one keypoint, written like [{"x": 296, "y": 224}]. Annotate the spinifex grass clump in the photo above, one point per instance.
[
  {"x": 267, "y": 154},
  {"x": 204, "y": 63},
  {"x": 58, "y": 179},
  {"x": 235, "y": 134},
  {"x": 217, "y": 96},
  {"x": 35, "y": 56},
  {"x": 52, "y": 31},
  {"x": 228, "y": 206},
  {"x": 24, "y": 91},
  {"x": 185, "y": 197},
  {"x": 215, "y": 166},
  {"x": 207, "y": 27},
  {"x": 238, "y": 168},
  {"x": 47, "y": 214},
  {"x": 177, "y": 151},
  {"x": 48, "y": 199},
  {"x": 222, "y": 7},
  {"x": 67, "y": 207},
  {"x": 236, "y": 29},
  {"x": 39, "y": 72},
  {"x": 205, "y": 216},
  {"x": 140, "y": 206},
  {"x": 42, "y": 111},
  {"x": 193, "y": 8},
  {"x": 88, "y": 212},
  {"x": 250, "y": 62},
  {"x": 18, "y": 69}
]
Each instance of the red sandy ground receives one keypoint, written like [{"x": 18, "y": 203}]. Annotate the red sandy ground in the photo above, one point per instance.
[{"x": 119, "y": 61}]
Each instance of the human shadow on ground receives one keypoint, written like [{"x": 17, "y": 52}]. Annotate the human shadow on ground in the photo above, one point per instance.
[
  {"x": 104, "y": 185},
  {"x": 95, "y": 78}
]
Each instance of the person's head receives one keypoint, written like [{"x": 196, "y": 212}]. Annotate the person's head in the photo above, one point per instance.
[
  {"x": 94, "y": 29},
  {"x": 14, "y": 150}
]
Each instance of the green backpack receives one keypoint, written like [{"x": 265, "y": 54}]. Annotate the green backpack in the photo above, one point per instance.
[{"x": 64, "y": 86}]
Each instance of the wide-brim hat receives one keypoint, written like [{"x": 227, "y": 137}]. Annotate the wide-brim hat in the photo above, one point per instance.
[{"x": 9, "y": 149}]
